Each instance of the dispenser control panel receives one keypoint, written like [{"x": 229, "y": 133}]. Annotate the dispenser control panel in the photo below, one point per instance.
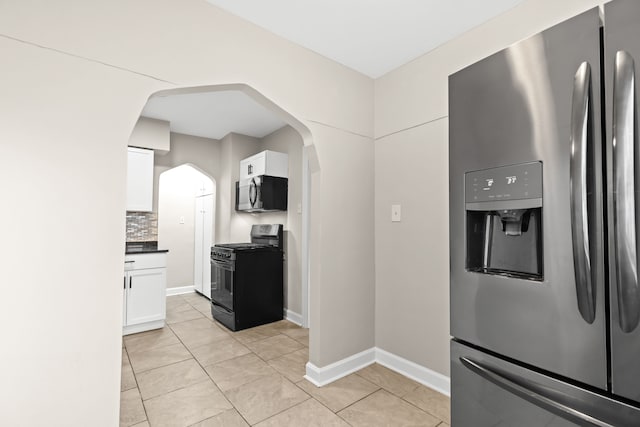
[{"x": 515, "y": 182}]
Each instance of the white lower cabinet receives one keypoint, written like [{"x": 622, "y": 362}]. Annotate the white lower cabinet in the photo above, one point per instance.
[{"x": 144, "y": 289}]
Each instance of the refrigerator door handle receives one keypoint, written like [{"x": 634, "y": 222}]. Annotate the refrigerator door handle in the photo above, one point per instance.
[
  {"x": 580, "y": 149},
  {"x": 516, "y": 387},
  {"x": 624, "y": 156}
]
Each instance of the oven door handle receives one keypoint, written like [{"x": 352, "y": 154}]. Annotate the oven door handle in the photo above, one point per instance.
[{"x": 221, "y": 307}]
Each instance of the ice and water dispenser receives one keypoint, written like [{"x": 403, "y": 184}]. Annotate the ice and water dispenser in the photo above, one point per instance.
[{"x": 504, "y": 221}]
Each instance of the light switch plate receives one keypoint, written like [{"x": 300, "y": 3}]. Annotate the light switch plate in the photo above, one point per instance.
[{"x": 396, "y": 213}]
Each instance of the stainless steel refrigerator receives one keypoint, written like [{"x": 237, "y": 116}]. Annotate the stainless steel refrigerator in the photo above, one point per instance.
[{"x": 544, "y": 178}]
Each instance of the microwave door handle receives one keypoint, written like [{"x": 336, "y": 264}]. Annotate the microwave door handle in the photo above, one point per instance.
[
  {"x": 580, "y": 150},
  {"x": 624, "y": 160},
  {"x": 253, "y": 192}
]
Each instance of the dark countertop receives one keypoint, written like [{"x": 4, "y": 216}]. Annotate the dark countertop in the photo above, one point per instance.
[
  {"x": 145, "y": 251},
  {"x": 133, "y": 248}
]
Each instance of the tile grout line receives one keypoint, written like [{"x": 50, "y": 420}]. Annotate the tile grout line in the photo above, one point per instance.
[
  {"x": 325, "y": 406},
  {"x": 424, "y": 410},
  {"x": 303, "y": 346},
  {"x": 281, "y": 375},
  {"x": 403, "y": 397},
  {"x": 361, "y": 399},
  {"x": 284, "y": 410},
  {"x": 199, "y": 364},
  {"x": 212, "y": 380},
  {"x": 135, "y": 378},
  {"x": 282, "y": 332}
]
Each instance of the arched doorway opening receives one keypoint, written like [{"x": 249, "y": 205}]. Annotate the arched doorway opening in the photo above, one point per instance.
[
  {"x": 298, "y": 293},
  {"x": 186, "y": 227}
]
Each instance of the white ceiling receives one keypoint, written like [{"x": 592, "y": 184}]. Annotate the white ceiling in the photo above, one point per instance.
[
  {"x": 213, "y": 114},
  {"x": 370, "y": 36}
]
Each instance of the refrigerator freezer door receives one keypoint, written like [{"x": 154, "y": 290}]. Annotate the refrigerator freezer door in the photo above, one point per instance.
[
  {"x": 622, "y": 58},
  {"x": 521, "y": 105},
  {"x": 487, "y": 391}
]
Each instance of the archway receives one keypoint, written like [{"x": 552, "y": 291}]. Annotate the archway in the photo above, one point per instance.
[
  {"x": 309, "y": 168},
  {"x": 186, "y": 218}
]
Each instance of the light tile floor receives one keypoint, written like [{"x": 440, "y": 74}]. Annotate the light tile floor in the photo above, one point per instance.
[{"x": 195, "y": 372}]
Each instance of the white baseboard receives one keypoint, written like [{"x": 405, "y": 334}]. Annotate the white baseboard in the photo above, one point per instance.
[
  {"x": 330, "y": 373},
  {"x": 335, "y": 371},
  {"x": 292, "y": 316},
  {"x": 141, "y": 327},
  {"x": 181, "y": 290},
  {"x": 425, "y": 376}
]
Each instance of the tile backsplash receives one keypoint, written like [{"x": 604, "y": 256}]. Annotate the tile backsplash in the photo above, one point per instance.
[{"x": 142, "y": 226}]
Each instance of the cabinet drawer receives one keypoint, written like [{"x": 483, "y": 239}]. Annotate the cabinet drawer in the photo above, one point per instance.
[{"x": 142, "y": 261}]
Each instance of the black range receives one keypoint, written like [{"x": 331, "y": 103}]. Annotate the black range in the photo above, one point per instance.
[{"x": 247, "y": 279}]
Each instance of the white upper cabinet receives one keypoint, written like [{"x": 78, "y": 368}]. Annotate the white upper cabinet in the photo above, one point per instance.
[
  {"x": 267, "y": 162},
  {"x": 205, "y": 187},
  {"x": 140, "y": 180}
]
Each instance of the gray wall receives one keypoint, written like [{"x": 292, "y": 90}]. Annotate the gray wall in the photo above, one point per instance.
[
  {"x": 242, "y": 146},
  {"x": 287, "y": 140},
  {"x": 177, "y": 221},
  {"x": 342, "y": 254},
  {"x": 236, "y": 226},
  {"x": 204, "y": 153}
]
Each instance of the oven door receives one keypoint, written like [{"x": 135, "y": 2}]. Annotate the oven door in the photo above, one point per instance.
[{"x": 222, "y": 272}]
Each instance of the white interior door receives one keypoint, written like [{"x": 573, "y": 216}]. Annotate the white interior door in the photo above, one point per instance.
[
  {"x": 207, "y": 231},
  {"x": 203, "y": 241},
  {"x": 198, "y": 246}
]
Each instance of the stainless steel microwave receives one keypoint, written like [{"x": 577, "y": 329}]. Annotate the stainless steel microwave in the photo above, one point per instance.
[{"x": 261, "y": 194}]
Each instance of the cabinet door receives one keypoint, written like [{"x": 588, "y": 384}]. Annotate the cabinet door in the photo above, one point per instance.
[
  {"x": 276, "y": 164},
  {"x": 139, "y": 180},
  {"x": 146, "y": 295},
  {"x": 124, "y": 299},
  {"x": 267, "y": 162},
  {"x": 252, "y": 166}
]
